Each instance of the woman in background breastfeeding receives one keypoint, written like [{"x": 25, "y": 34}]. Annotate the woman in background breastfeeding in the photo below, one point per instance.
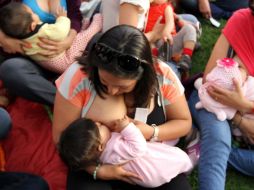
[{"x": 22, "y": 76}]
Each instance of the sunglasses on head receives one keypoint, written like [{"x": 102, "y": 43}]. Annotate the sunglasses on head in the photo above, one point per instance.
[{"x": 125, "y": 62}]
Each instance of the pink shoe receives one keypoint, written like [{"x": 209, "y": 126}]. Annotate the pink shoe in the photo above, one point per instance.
[{"x": 193, "y": 149}]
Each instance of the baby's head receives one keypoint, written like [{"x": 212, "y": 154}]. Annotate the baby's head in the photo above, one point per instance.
[
  {"x": 82, "y": 142},
  {"x": 17, "y": 20}
]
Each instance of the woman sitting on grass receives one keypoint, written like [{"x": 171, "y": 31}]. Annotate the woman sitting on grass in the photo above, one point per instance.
[
  {"x": 216, "y": 150},
  {"x": 117, "y": 76}
]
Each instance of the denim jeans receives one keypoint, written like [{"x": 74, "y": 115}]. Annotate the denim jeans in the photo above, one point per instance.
[
  {"x": 25, "y": 78},
  {"x": 242, "y": 160},
  {"x": 215, "y": 149},
  {"x": 21, "y": 181},
  {"x": 218, "y": 8},
  {"x": 5, "y": 123}
]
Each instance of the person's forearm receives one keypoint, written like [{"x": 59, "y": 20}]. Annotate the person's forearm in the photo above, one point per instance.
[
  {"x": 150, "y": 37},
  {"x": 90, "y": 169},
  {"x": 247, "y": 107},
  {"x": 174, "y": 129},
  {"x": 71, "y": 36},
  {"x": 128, "y": 14},
  {"x": 169, "y": 17}
]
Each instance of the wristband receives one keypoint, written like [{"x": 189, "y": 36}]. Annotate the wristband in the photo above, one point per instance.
[
  {"x": 95, "y": 171},
  {"x": 155, "y": 135},
  {"x": 239, "y": 123},
  {"x": 236, "y": 125}
]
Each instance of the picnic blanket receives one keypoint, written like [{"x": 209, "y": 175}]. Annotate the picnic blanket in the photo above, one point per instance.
[{"x": 29, "y": 147}]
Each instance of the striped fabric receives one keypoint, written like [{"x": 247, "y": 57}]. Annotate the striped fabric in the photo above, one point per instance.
[{"x": 75, "y": 86}]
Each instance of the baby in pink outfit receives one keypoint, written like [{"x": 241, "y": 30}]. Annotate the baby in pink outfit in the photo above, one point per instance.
[
  {"x": 222, "y": 75},
  {"x": 154, "y": 162}
]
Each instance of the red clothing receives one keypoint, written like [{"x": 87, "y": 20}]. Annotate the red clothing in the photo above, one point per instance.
[
  {"x": 239, "y": 31},
  {"x": 155, "y": 11}
]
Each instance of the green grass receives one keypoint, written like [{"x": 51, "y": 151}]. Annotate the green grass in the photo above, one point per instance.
[
  {"x": 208, "y": 39},
  {"x": 235, "y": 180}
]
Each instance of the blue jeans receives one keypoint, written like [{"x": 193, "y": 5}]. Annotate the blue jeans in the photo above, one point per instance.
[
  {"x": 5, "y": 123},
  {"x": 215, "y": 149},
  {"x": 219, "y": 8},
  {"x": 25, "y": 78},
  {"x": 242, "y": 160}
]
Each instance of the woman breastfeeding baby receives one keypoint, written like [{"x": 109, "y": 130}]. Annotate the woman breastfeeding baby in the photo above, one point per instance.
[{"x": 117, "y": 76}]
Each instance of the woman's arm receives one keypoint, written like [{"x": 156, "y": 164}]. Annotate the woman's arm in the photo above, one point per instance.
[
  {"x": 129, "y": 15},
  {"x": 178, "y": 122},
  {"x": 245, "y": 125},
  {"x": 113, "y": 172},
  {"x": 219, "y": 51},
  {"x": 204, "y": 8},
  {"x": 54, "y": 48},
  {"x": 11, "y": 45},
  {"x": 64, "y": 114},
  {"x": 169, "y": 24}
]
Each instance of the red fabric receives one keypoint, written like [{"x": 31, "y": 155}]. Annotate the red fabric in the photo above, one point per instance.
[
  {"x": 239, "y": 31},
  {"x": 155, "y": 11},
  {"x": 29, "y": 146}
]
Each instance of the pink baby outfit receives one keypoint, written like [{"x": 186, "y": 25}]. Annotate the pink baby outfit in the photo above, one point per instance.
[
  {"x": 222, "y": 76},
  {"x": 60, "y": 63},
  {"x": 156, "y": 163}
]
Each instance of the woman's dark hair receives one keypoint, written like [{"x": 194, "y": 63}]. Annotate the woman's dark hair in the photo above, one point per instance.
[
  {"x": 15, "y": 21},
  {"x": 78, "y": 144},
  {"x": 251, "y": 6},
  {"x": 125, "y": 40}
]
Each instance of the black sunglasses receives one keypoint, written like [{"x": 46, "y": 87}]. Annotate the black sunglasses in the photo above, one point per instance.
[{"x": 125, "y": 62}]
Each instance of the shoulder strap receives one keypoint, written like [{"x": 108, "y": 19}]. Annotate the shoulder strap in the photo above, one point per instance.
[{"x": 231, "y": 52}]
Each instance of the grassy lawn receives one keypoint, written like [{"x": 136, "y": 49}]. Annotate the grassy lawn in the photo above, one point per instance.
[{"x": 235, "y": 180}]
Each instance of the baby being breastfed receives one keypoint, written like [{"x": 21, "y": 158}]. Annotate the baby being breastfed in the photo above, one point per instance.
[{"x": 107, "y": 110}]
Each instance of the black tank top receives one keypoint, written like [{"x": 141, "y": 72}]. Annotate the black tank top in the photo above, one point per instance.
[{"x": 157, "y": 115}]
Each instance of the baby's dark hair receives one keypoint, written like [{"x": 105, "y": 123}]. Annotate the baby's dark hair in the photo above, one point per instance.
[
  {"x": 78, "y": 144},
  {"x": 15, "y": 21}
]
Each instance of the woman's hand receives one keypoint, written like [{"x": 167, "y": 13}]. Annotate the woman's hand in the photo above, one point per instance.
[
  {"x": 156, "y": 33},
  {"x": 146, "y": 130},
  {"x": 233, "y": 98},
  {"x": 53, "y": 48},
  {"x": 167, "y": 36},
  {"x": 116, "y": 172},
  {"x": 246, "y": 127},
  {"x": 12, "y": 45},
  {"x": 204, "y": 8}
]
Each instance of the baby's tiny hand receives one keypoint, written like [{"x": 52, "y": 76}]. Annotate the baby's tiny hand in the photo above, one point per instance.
[
  {"x": 61, "y": 11},
  {"x": 120, "y": 124}
]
